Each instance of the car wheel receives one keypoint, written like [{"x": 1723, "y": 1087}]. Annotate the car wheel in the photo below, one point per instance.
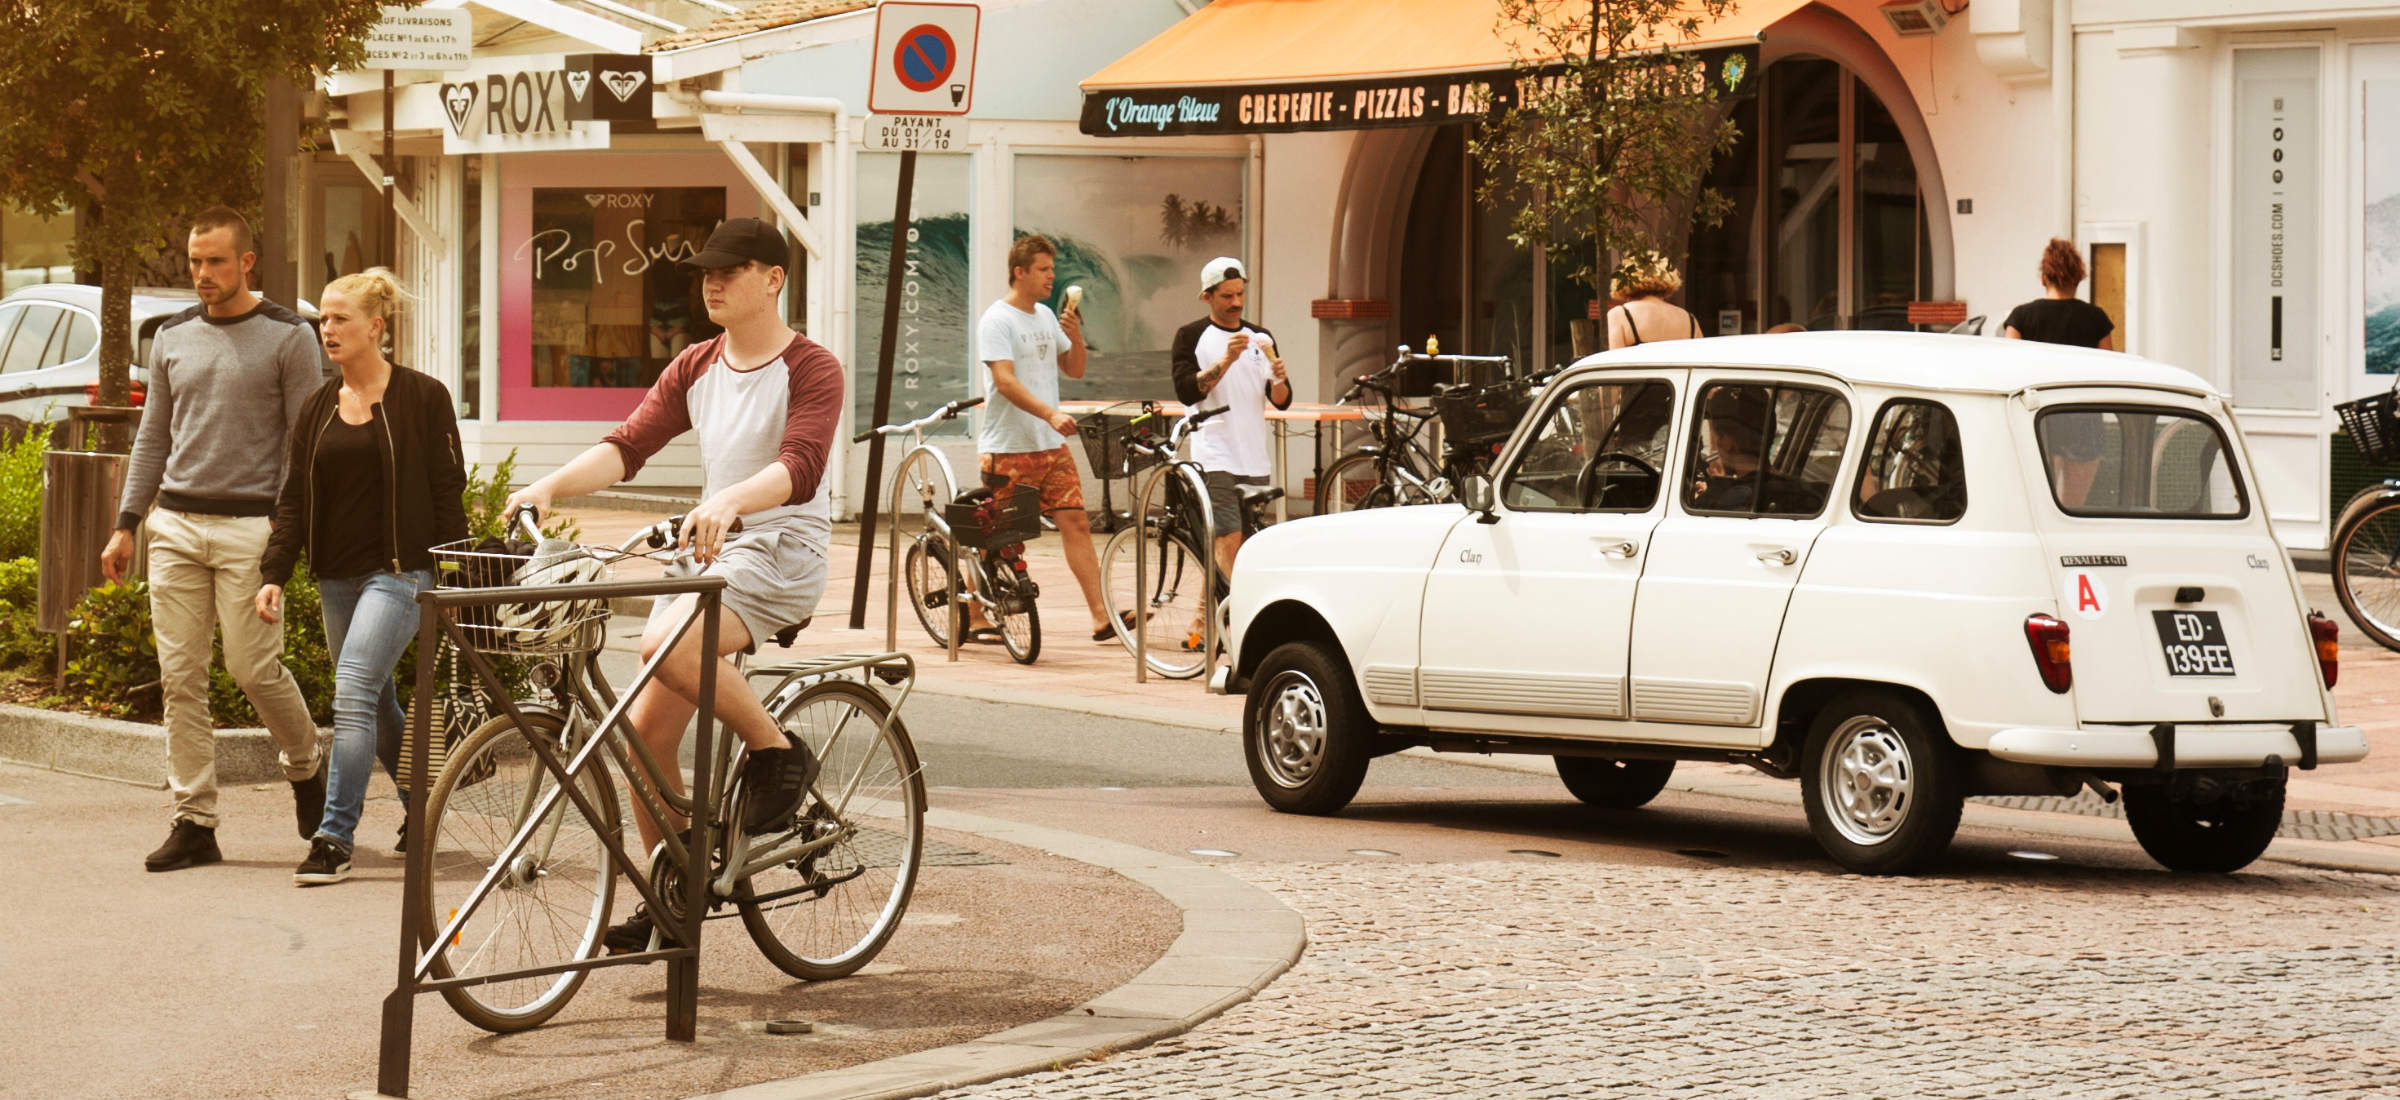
[
  {"x": 2205, "y": 825},
  {"x": 1305, "y": 732},
  {"x": 1614, "y": 784},
  {"x": 1881, "y": 784}
]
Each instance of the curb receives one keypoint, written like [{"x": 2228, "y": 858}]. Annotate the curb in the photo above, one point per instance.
[
  {"x": 1236, "y": 938},
  {"x": 127, "y": 752}
]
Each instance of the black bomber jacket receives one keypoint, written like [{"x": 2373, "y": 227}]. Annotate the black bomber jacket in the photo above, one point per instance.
[{"x": 425, "y": 468}]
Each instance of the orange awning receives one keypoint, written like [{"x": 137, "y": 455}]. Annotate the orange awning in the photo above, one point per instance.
[{"x": 1388, "y": 60}]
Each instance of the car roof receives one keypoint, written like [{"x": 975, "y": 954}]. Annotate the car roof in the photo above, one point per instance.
[
  {"x": 148, "y": 301},
  {"x": 1915, "y": 360}
]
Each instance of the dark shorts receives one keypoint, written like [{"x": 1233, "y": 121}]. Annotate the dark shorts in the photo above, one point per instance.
[
  {"x": 1225, "y": 500},
  {"x": 1051, "y": 472}
]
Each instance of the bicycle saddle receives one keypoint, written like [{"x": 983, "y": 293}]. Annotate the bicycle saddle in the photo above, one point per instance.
[
  {"x": 1260, "y": 494},
  {"x": 784, "y": 637}
]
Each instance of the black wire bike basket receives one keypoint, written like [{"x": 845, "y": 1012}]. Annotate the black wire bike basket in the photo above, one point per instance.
[
  {"x": 2374, "y": 425},
  {"x": 1107, "y": 436},
  {"x": 981, "y": 518},
  {"x": 1481, "y": 414}
]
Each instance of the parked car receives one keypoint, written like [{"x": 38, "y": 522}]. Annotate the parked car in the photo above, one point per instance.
[
  {"x": 50, "y": 346},
  {"x": 1854, "y": 559}
]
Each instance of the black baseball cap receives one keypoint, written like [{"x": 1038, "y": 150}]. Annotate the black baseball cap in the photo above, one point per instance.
[{"x": 738, "y": 241}]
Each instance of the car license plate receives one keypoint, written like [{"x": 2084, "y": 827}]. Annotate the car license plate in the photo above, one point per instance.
[{"x": 2194, "y": 643}]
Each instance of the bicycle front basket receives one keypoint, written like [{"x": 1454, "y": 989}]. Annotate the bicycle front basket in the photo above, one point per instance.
[
  {"x": 981, "y": 518},
  {"x": 2373, "y": 426},
  {"x": 529, "y": 630},
  {"x": 1105, "y": 437}
]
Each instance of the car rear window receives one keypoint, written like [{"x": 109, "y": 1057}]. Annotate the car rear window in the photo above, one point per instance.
[{"x": 2138, "y": 461}]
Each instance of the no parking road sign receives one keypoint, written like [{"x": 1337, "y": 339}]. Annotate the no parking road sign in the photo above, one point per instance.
[{"x": 924, "y": 59}]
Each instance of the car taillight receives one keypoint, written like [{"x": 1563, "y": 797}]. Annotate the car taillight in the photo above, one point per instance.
[
  {"x": 133, "y": 393},
  {"x": 2328, "y": 636},
  {"x": 2048, "y": 637}
]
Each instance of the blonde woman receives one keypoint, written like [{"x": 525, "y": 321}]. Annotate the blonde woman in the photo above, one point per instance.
[
  {"x": 1646, "y": 316},
  {"x": 374, "y": 479}
]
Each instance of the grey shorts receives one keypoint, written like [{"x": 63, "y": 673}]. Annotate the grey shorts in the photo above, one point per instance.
[
  {"x": 772, "y": 580},
  {"x": 1225, "y": 499}
]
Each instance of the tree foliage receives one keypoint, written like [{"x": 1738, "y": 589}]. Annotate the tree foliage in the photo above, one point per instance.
[
  {"x": 1602, "y": 155},
  {"x": 145, "y": 112}
]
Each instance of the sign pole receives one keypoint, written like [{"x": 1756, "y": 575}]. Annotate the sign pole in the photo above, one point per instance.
[
  {"x": 883, "y": 387},
  {"x": 391, "y": 240}
]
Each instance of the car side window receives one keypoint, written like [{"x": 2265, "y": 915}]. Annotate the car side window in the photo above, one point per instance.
[
  {"x": 1914, "y": 470},
  {"x": 1600, "y": 447},
  {"x": 1765, "y": 449},
  {"x": 33, "y": 334},
  {"x": 77, "y": 339}
]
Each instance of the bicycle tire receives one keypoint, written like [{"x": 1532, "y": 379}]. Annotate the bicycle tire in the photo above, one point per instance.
[
  {"x": 1346, "y": 485},
  {"x": 550, "y": 909},
  {"x": 1019, "y": 618},
  {"x": 2366, "y": 557},
  {"x": 927, "y": 567},
  {"x": 1175, "y": 574},
  {"x": 825, "y": 915}
]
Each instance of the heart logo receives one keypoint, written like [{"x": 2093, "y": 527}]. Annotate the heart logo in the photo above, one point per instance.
[
  {"x": 579, "y": 81},
  {"x": 591, "y": 199},
  {"x": 458, "y": 100},
  {"x": 623, "y": 84}
]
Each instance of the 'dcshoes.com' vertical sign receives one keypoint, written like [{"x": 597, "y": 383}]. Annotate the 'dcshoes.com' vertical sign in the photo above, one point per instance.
[{"x": 2277, "y": 177}]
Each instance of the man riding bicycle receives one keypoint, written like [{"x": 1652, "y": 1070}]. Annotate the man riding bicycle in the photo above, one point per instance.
[{"x": 765, "y": 402}]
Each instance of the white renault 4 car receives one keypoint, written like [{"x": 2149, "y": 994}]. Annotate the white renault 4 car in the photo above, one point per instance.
[{"x": 1904, "y": 569}]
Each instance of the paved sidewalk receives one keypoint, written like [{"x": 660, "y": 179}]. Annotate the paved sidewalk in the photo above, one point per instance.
[{"x": 2337, "y": 806}]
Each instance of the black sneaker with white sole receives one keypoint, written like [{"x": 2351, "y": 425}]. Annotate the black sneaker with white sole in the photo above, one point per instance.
[
  {"x": 631, "y": 934},
  {"x": 328, "y": 862},
  {"x": 774, "y": 782}
]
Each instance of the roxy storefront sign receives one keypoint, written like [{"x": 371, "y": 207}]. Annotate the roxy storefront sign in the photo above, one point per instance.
[{"x": 549, "y": 108}]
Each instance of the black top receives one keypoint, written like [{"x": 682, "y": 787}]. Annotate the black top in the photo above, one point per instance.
[
  {"x": 424, "y": 489},
  {"x": 2070, "y": 321},
  {"x": 1183, "y": 360},
  {"x": 350, "y": 477}
]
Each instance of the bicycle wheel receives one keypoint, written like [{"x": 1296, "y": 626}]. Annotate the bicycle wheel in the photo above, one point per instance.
[
  {"x": 551, "y": 904},
  {"x": 1346, "y": 485},
  {"x": 826, "y": 914},
  {"x": 2367, "y": 555},
  {"x": 1176, "y": 574},
  {"x": 927, "y": 567},
  {"x": 1013, "y": 601}
]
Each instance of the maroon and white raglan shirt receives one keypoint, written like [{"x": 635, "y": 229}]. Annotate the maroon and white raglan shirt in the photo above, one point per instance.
[{"x": 785, "y": 411}]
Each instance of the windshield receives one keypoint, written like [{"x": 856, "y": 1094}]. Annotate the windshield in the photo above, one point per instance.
[{"x": 2139, "y": 461}]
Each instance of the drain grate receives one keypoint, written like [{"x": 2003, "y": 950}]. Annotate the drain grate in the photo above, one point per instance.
[{"x": 2297, "y": 824}]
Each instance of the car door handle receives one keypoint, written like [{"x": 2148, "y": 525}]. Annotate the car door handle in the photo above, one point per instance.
[
  {"x": 1778, "y": 555},
  {"x": 1617, "y": 547}
]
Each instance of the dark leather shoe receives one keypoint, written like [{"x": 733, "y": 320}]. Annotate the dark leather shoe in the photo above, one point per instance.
[
  {"x": 308, "y": 801},
  {"x": 189, "y": 844}
]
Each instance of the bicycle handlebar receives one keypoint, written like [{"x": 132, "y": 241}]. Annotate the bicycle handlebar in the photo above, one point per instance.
[{"x": 944, "y": 413}]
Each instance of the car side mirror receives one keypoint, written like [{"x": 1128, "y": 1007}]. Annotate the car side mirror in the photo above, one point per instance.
[{"x": 1476, "y": 493}]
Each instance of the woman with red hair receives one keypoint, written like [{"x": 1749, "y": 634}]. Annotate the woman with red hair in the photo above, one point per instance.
[{"x": 2058, "y": 316}]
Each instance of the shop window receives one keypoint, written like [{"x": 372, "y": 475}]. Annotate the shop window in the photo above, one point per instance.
[
  {"x": 611, "y": 308},
  {"x": 1134, "y": 232},
  {"x": 937, "y": 310},
  {"x": 35, "y": 249}
]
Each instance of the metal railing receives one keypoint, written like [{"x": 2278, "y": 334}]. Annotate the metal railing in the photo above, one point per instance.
[{"x": 437, "y": 622}]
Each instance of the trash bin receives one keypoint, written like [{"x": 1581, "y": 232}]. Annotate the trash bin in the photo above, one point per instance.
[{"x": 79, "y": 512}]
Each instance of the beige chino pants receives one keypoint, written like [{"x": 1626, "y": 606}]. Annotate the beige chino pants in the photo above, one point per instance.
[{"x": 204, "y": 577}]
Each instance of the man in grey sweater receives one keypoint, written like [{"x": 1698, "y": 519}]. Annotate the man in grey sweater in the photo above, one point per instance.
[{"x": 227, "y": 378}]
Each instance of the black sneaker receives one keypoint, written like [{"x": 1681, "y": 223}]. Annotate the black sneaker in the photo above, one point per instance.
[
  {"x": 774, "y": 782},
  {"x": 630, "y": 935},
  {"x": 308, "y": 801},
  {"x": 328, "y": 862},
  {"x": 400, "y": 846},
  {"x": 189, "y": 844}
]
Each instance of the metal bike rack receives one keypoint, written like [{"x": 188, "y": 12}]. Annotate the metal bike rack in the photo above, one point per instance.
[
  {"x": 892, "y": 579},
  {"x": 1141, "y": 580},
  {"x": 435, "y": 622}
]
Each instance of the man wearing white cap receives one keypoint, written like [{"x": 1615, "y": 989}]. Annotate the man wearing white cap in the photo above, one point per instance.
[{"x": 1222, "y": 361}]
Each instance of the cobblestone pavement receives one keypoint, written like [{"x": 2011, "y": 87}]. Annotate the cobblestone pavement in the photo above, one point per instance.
[
  {"x": 1544, "y": 978},
  {"x": 2299, "y": 824}
]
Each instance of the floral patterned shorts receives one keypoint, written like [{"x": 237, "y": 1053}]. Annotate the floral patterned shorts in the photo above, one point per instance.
[{"x": 1051, "y": 472}]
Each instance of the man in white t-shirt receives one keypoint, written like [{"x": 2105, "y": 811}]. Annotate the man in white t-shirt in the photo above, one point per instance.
[
  {"x": 1022, "y": 438},
  {"x": 1222, "y": 361}
]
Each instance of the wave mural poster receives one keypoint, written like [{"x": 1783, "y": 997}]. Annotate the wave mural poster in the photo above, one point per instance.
[
  {"x": 1133, "y": 233},
  {"x": 929, "y": 365},
  {"x": 2380, "y": 284}
]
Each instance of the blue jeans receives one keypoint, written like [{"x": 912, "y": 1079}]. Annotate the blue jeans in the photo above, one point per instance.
[{"x": 369, "y": 622}]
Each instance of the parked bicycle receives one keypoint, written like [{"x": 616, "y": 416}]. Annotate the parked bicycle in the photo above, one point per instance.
[
  {"x": 2366, "y": 534},
  {"x": 529, "y": 870},
  {"x": 949, "y": 591},
  {"x": 1398, "y": 465},
  {"x": 1164, "y": 553}
]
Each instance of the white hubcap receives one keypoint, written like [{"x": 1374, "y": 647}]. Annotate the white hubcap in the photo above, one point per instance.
[
  {"x": 1868, "y": 780},
  {"x": 1292, "y": 730}
]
